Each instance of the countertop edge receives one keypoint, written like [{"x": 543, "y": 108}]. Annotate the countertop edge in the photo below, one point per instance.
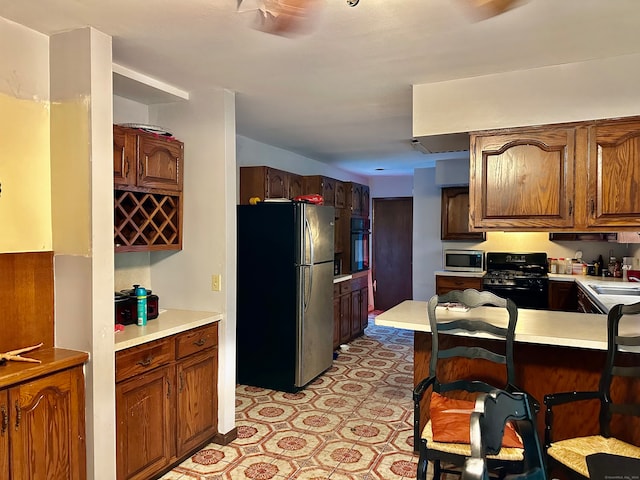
[
  {"x": 169, "y": 322},
  {"x": 53, "y": 360},
  {"x": 451, "y": 273},
  {"x": 540, "y": 327}
]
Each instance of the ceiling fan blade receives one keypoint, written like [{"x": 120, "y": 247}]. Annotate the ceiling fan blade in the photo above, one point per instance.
[{"x": 483, "y": 9}]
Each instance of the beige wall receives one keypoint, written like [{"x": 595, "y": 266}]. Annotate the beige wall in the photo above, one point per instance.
[{"x": 25, "y": 183}]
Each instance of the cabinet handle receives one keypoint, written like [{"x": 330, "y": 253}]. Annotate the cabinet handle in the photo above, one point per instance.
[
  {"x": 141, "y": 169},
  {"x": 593, "y": 207},
  {"x": 168, "y": 389},
  {"x": 5, "y": 419},
  {"x": 200, "y": 342},
  {"x": 146, "y": 362},
  {"x": 570, "y": 207},
  {"x": 126, "y": 163},
  {"x": 181, "y": 382},
  {"x": 18, "y": 415}
]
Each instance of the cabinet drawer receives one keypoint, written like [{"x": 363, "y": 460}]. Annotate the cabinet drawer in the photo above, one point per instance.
[
  {"x": 336, "y": 290},
  {"x": 143, "y": 358},
  {"x": 196, "y": 340},
  {"x": 446, "y": 283},
  {"x": 359, "y": 283},
  {"x": 345, "y": 287}
]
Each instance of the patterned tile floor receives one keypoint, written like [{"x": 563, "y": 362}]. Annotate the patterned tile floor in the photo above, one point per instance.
[{"x": 352, "y": 423}]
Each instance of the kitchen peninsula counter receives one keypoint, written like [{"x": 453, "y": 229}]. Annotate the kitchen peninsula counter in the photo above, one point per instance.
[
  {"x": 169, "y": 322},
  {"x": 553, "y": 352}
]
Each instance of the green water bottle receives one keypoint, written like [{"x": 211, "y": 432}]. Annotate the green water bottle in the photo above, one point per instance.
[{"x": 141, "y": 295}]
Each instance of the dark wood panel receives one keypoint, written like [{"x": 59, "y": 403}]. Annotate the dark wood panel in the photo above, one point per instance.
[
  {"x": 454, "y": 215},
  {"x": 26, "y": 296}
]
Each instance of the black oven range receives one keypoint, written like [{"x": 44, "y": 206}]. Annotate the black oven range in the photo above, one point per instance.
[{"x": 522, "y": 277}]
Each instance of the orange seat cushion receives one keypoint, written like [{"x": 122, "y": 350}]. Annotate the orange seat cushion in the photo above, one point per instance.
[{"x": 450, "y": 422}]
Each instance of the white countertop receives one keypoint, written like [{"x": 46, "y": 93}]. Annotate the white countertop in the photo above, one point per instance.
[
  {"x": 342, "y": 278},
  {"x": 542, "y": 327},
  {"x": 449, "y": 273},
  {"x": 169, "y": 322}
]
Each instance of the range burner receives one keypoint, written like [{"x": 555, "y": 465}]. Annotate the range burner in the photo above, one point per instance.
[{"x": 522, "y": 277}]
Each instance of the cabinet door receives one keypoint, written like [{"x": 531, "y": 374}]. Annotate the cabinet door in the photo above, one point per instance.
[
  {"x": 160, "y": 163},
  {"x": 364, "y": 308},
  {"x": 47, "y": 428},
  {"x": 197, "y": 400},
  {"x": 339, "y": 229},
  {"x": 522, "y": 180},
  {"x": 4, "y": 433},
  {"x": 341, "y": 195},
  {"x": 454, "y": 215},
  {"x": 295, "y": 188},
  {"x": 614, "y": 175},
  {"x": 356, "y": 301},
  {"x": 124, "y": 156},
  {"x": 345, "y": 318},
  {"x": 563, "y": 296},
  {"x": 356, "y": 199},
  {"x": 336, "y": 321},
  {"x": 364, "y": 208},
  {"x": 144, "y": 447},
  {"x": 276, "y": 183}
]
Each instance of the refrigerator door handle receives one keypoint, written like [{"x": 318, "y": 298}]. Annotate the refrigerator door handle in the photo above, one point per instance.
[
  {"x": 307, "y": 228},
  {"x": 307, "y": 288}
]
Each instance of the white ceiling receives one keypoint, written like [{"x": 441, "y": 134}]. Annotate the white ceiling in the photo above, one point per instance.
[{"x": 341, "y": 91}]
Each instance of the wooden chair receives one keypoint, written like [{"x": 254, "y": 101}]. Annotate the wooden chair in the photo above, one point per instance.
[
  {"x": 453, "y": 451},
  {"x": 570, "y": 455},
  {"x": 488, "y": 421}
]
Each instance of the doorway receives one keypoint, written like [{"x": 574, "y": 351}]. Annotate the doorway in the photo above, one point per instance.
[{"x": 392, "y": 259}]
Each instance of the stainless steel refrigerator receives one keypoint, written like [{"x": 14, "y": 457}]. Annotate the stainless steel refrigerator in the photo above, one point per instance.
[{"x": 285, "y": 294}]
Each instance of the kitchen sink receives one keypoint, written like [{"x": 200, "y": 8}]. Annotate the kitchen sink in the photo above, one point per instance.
[{"x": 605, "y": 290}]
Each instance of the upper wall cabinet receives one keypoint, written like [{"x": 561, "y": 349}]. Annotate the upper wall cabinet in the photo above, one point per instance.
[
  {"x": 522, "y": 179},
  {"x": 266, "y": 182},
  {"x": 454, "y": 215},
  {"x": 614, "y": 174},
  {"x": 145, "y": 160},
  {"x": 358, "y": 197},
  {"x": 572, "y": 177},
  {"x": 148, "y": 179},
  {"x": 324, "y": 186}
]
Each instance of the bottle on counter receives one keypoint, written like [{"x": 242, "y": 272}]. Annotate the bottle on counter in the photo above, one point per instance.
[
  {"x": 553, "y": 265},
  {"x": 141, "y": 296}
]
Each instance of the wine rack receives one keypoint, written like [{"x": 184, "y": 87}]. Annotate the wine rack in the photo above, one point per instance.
[{"x": 146, "y": 221}]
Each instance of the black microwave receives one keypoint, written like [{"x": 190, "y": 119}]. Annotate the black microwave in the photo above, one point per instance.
[{"x": 463, "y": 260}]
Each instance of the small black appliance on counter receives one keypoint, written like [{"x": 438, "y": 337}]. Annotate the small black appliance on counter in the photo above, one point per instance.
[{"x": 126, "y": 306}]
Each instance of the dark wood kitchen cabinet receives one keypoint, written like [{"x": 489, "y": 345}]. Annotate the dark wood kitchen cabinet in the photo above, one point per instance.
[
  {"x": 614, "y": 174},
  {"x": 172, "y": 384},
  {"x": 585, "y": 304},
  {"x": 358, "y": 199},
  {"x": 267, "y": 182},
  {"x": 579, "y": 177},
  {"x": 324, "y": 186},
  {"x": 522, "y": 179},
  {"x": 342, "y": 312},
  {"x": 359, "y": 306},
  {"x": 454, "y": 215},
  {"x": 148, "y": 181},
  {"x": 144, "y": 160},
  {"x": 42, "y": 412},
  {"x": 563, "y": 296}
]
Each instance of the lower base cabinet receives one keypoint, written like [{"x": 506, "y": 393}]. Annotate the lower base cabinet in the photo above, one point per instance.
[
  {"x": 350, "y": 309},
  {"x": 166, "y": 401},
  {"x": 563, "y": 296},
  {"x": 42, "y": 427}
]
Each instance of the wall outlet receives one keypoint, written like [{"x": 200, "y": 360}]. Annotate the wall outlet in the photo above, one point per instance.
[{"x": 216, "y": 282}]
